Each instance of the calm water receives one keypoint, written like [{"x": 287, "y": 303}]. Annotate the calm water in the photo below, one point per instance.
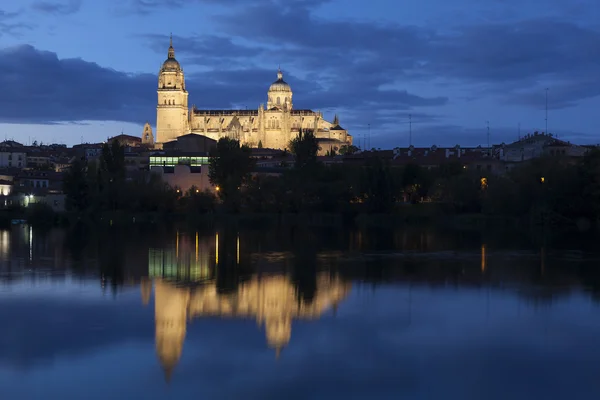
[{"x": 276, "y": 314}]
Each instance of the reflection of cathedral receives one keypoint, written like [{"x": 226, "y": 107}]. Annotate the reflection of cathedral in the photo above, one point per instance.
[{"x": 270, "y": 299}]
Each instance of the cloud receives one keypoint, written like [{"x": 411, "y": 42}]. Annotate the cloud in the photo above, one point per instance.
[
  {"x": 42, "y": 88},
  {"x": 46, "y": 89},
  {"x": 502, "y": 57},
  {"x": 57, "y": 8},
  {"x": 145, "y": 7},
  {"x": 9, "y": 24}
]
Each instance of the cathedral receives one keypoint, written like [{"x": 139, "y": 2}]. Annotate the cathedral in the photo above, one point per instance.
[{"x": 271, "y": 127}]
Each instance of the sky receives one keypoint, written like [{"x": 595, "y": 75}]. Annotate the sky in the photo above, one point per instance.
[{"x": 414, "y": 71}]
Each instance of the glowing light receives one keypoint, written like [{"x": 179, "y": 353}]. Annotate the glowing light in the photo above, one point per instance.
[
  {"x": 542, "y": 180},
  {"x": 217, "y": 188},
  {"x": 484, "y": 183}
]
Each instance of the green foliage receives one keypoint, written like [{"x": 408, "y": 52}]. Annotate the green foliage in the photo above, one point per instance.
[{"x": 229, "y": 170}]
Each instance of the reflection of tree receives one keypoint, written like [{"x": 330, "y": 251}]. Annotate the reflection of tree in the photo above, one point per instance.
[
  {"x": 111, "y": 260},
  {"x": 305, "y": 264},
  {"x": 227, "y": 267},
  {"x": 76, "y": 241}
]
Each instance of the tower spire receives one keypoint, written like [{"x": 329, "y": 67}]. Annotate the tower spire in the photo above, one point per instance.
[{"x": 171, "y": 49}]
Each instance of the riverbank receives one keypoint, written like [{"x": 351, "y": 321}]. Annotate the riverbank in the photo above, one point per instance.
[{"x": 403, "y": 215}]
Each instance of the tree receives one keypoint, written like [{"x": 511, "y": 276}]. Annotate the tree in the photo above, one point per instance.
[
  {"x": 348, "y": 149},
  {"x": 229, "y": 169},
  {"x": 305, "y": 148},
  {"x": 112, "y": 173},
  {"x": 76, "y": 187},
  {"x": 260, "y": 145}
]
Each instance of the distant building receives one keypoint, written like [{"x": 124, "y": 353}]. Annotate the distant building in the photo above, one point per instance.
[
  {"x": 12, "y": 158},
  {"x": 147, "y": 136},
  {"x": 191, "y": 142},
  {"x": 126, "y": 140},
  {"x": 182, "y": 169},
  {"x": 536, "y": 145}
]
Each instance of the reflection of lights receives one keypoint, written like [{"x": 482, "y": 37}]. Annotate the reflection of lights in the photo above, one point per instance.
[
  {"x": 483, "y": 258},
  {"x": 4, "y": 243},
  {"x": 238, "y": 250},
  {"x": 177, "y": 245},
  {"x": 30, "y": 243},
  {"x": 217, "y": 249},
  {"x": 196, "y": 246}
]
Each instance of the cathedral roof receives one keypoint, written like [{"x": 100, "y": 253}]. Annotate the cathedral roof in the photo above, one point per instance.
[{"x": 280, "y": 85}]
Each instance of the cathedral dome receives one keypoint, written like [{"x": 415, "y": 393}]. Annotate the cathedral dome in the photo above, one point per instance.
[
  {"x": 171, "y": 64},
  {"x": 280, "y": 85}
]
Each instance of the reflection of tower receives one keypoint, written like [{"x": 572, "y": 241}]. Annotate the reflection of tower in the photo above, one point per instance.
[
  {"x": 279, "y": 332},
  {"x": 276, "y": 305},
  {"x": 171, "y": 304},
  {"x": 146, "y": 286}
]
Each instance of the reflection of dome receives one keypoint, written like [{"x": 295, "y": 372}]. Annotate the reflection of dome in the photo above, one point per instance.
[{"x": 280, "y": 85}]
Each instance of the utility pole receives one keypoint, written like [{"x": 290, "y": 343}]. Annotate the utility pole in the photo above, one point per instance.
[
  {"x": 546, "y": 111},
  {"x": 488, "y": 138},
  {"x": 519, "y": 131},
  {"x": 409, "y": 130},
  {"x": 369, "y": 136}
]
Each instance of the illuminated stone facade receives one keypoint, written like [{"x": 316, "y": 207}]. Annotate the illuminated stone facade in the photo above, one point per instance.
[{"x": 270, "y": 127}]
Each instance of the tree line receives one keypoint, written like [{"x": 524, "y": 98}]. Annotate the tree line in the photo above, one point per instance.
[{"x": 549, "y": 189}]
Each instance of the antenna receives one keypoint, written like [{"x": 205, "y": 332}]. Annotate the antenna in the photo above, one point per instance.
[
  {"x": 519, "y": 131},
  {"x": 409, "y": 130},
  {"x": 546, "y": 111},
  {"x": 369, "y": 136}
]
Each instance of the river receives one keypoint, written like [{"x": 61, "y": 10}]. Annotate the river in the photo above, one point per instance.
[{"x": 232, "y": 313}]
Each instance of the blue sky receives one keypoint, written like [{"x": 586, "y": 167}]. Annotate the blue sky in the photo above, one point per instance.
[{"x": 73, "y": 70}]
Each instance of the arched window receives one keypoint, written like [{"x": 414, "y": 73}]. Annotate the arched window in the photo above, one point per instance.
[
  {"x": 165, "y": 101},
  {"x": 278, "y": 101}
]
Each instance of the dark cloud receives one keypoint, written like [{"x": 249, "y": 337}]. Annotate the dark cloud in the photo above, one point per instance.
[
  {"x": 504, "y": 57},
  {"x": 64, "y": 7},
  {"x": 46, "y": 89},
  {"x": 10, "y": 25},
  {"x": 149, "y": 6},
  {"x": 41, "y": 88}
]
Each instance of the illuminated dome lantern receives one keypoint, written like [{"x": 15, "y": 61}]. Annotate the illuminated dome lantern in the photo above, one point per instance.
[{"x": 280, "y": 94}]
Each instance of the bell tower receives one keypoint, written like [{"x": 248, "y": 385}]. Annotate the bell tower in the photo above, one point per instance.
[{"x": 172, "y": 108}]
